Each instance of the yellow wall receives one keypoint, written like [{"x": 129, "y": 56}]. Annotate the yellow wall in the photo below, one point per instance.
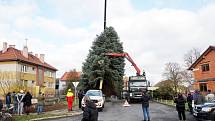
[
  {"x": 9, "y": 62},
  {"x": 27, "y": 76},
  {"x": 49, "y": 79}
]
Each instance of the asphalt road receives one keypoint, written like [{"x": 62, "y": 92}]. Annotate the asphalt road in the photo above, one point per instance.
[{"x": 116, "y": 112}]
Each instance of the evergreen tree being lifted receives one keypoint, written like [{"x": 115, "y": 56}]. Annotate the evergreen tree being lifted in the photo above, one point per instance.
[{"x": 99, "y": 67}]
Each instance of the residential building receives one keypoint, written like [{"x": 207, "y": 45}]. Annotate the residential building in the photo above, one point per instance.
[
  {"x": 66, "y": 78},
  {"x": 21, "y": 70},
  {"x": 204, "y": 71}
]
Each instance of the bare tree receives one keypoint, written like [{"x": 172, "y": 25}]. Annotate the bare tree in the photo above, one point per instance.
[
  {"x": 5, "y": 86},
  {"x": 187, "y": 76},
  {"x": 173, "y": 72},
  {"x": 191, "y": 56}
]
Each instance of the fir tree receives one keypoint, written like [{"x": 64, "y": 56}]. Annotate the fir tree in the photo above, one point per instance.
[{"x": 98, "y": 66}]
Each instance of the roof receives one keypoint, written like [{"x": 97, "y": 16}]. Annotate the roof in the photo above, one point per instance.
[
  {"x": 13, "y": 54},
  {"x": 68, "y": 75},
  {"x": 210, "y": 48}
]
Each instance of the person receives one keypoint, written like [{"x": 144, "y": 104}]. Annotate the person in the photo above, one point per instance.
[
  {"x": 210, "y": 96},
  {"x": 15, "y": 102},
  {"x": 189, "y": 102},
  {"x": 145, "y": 105},
  {"x": 90, "y": 111},
  {"x": 1, "y": 104},
  {"x": 80, "y": 96},
  {"x": 41, "y": 103},
  {"x": 180, "y": 106},
  {"x": 198, "y": 98},
  {"x": 27, "y": 102},
  {"x": 8, "y": 100},
  {"x": 20, "y": 96},
  {"x": 69, "y": 99}
]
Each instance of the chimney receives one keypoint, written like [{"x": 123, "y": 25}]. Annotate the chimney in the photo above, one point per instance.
[
  {"x": 42, "y": 58},
  {"x": 31, "y": 53},
  {"x": 36, "y": 55},
  {"x": 12, "y": 46},
  {"x": 4, "y": 47},
  {"x": 25, "y": 51}
]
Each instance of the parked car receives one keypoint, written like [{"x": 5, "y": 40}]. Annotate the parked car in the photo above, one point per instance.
[
  {"x": 205, "y": 111},
  {"x": 97, "y": 97}
]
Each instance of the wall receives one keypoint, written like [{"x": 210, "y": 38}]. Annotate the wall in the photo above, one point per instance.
[{"x": 198, "y": 74}]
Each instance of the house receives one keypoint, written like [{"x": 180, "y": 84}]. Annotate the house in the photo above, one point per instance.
[
  {"x": 66, "y": 78},
  {"x": 21, "y": 70},
  {"x": 204, "y": 71}
]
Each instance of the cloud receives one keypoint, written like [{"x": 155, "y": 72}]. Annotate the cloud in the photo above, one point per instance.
[{"x": 66, "y": 29}]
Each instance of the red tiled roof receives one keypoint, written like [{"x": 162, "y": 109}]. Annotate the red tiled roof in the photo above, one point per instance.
[
  {"x": 210, "y": 48},
  {"x": 13, "y": 54},
  {"x": 67, "y": 75}
]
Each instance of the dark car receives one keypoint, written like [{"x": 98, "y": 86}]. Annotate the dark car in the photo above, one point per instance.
[{"x": 205, "y": 111}]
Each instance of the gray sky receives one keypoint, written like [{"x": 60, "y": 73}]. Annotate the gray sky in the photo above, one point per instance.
[{"x": 153, "y": 32}]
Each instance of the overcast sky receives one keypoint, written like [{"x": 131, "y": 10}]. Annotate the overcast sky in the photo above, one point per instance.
[{"x": 153, "y": 32}]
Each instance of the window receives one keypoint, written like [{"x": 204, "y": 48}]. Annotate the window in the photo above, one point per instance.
[
  {"x": 24, "y": 68},
  {"x": 203, "y": 87},
  {"x": 50, "y": 74},
  {"x": 205, "y": 67}
]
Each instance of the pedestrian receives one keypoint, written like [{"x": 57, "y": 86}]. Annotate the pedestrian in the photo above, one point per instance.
[
  {"x": 180, "y": 106},
  {"x": 41, "y": 103},
  {"x": 90, "y": 111},
  {"x": 189, "y": 102},
  {"x": 69, "y": 99},
  {"x": 210, "y": 96},
  {"x": 27, "y": 102},
  {"x": 80, "y": 96},
  {"x": 198, "y": 98},
  {"x": 1, "y": 104},
  {"x": 15, "y": 102},
  {"x": 20, "y": 96},
  {"x": 8, "y": 100},
  {"x": 145, "y": 105}
]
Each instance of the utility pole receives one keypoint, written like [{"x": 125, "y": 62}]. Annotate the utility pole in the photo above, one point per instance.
[{"x": 105, "y": 14}]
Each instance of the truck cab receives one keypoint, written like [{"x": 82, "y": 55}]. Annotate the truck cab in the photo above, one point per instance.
[{"x": 136, "y": 85}]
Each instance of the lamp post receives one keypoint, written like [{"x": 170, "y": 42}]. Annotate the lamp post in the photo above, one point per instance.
[{"x": 105, "y": 14}]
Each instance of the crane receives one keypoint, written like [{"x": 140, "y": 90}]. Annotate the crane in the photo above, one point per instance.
[
  {"x": 128, "y": 57},
  {"x": 136, "y": 84}
]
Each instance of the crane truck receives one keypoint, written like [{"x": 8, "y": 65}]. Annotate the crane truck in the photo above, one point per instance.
[{"x": 136, "y": 84}]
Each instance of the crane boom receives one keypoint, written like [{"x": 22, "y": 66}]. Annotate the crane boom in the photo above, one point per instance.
[{"x": 128, "y": 57}]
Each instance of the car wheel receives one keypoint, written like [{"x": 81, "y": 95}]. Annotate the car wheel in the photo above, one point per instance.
[{"x": 212, "y": 116}]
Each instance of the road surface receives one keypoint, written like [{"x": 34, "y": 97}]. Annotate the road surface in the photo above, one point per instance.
[{"x": 116, "y": 112}]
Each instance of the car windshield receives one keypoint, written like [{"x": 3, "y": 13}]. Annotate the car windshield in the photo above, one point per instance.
[
  {"x": 137, "y": 84},
  {"x": 94, "y": 93}
]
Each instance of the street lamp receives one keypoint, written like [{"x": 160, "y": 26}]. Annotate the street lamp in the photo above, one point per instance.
[{"x": 105, "y": 14}]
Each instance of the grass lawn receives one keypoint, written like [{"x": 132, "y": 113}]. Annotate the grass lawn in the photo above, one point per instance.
[
  {"x": 171, "y": 103},
  {"x": 31, "y": 116}
]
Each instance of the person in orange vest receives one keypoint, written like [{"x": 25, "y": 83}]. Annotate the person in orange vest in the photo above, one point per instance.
[{"x": 69, "y": 99}]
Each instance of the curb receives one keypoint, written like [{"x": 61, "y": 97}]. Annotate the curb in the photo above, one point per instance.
[{"x": 56, "y": 117}]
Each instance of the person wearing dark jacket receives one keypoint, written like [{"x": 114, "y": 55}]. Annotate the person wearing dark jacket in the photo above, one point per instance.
[
  {"x": 27, "y": 102},
  {"x": 189, "y": 102},
  {"x": 180, "y": 106},
  {"x": 1, "y": 104},
  {"x": 145, "y": 105},
  {"x": 80, "y": 96},
  {"x": 8, "y": 100},
  {"x": 90, "y": 111}
]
